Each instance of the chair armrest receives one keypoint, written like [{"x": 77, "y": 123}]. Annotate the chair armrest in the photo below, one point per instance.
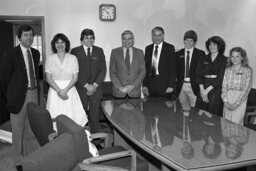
[
  {"x": 251, "y": 108},
  {"x": 5, "y": 136},
  {"x": 94, "y": 167},
  {"x": 114, "y": 156},
  {"x": 104, "y": 136},
  {"x": 53, "y": 135},
  {"x": 247, "y": 115}
]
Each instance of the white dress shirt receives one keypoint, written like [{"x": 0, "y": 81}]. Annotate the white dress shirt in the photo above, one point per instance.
[
  {"x": 190, "y": 57},
  {"x": 155, "y": 61},
  {"x": 25, "y": 57}
]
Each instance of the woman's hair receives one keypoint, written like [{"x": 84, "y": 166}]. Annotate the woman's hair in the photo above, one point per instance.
[
  {"x": 239, "y": 149},
  {"x": 217, "y": 40},
  {"x": 60, "y": 36},
  {"x": 243, "y": 54}
]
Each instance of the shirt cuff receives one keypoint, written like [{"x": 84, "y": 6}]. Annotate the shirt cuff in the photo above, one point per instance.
[{"x": 95, "y": 84}]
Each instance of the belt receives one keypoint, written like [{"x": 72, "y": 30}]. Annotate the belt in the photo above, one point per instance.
[
  {"x": 210, "y": 76},
  {"x": 32, "y": 88},
  {"x": 186, "y": 81}
]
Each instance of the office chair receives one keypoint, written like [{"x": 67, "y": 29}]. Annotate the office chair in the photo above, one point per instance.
[
  {"x": 58, "y": 155},
  {"x": 41, "y": 123},
  {"x": 112, "y": 156},
  {"x": 250, "y": 113},
  {"x": 42, "y": 126}
]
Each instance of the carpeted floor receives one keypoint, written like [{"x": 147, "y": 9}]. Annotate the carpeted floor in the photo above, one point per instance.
[{"x": 6, "y": 162}]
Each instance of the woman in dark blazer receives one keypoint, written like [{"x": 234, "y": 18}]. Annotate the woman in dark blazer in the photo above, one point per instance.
[{"x": 209, "y": 76}]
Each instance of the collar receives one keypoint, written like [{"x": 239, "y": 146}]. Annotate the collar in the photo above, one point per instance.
[
  {"x": 159, "y": 46},
  {"x": 190, "y": 50},
  {"x": 23, "y": 49},
  {"x": 85, "y": 48},
  {"x": 124, "y": 49}
]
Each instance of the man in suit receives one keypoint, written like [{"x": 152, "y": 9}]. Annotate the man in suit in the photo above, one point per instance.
[
  {"x": 92, "y": 71},
  {"x": 19, "y": 77},
  {"x": 187, "y": 61},
  {"x": 160, "y": 66},
  {"x": 127, "y": 68}
]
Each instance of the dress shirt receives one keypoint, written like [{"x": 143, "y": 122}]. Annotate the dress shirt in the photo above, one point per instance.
[
  {"x": 190, "y": 55},
  {"x": 25, "y": 56},
  {"x": 85, "y": 50},
  {"x": 158, "y": 56},
  {"x": 155, "y": 133},
  {"x": 130, "y": 53}
]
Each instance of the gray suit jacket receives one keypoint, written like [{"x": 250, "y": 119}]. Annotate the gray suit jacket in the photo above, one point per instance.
[{"x": 121, "y": 77}]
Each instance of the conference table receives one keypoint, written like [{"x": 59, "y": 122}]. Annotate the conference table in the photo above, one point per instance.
[{"x": 190, "y": 139}]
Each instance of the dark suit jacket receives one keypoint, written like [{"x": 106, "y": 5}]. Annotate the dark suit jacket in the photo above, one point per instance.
[
  {"x": 13, "y": 76},
  {"x": 166, "y": 68},
  {"x": 119, "y": 75},
  {"x": 180, "y": 58},
  {"x": 98, "y": 71},
  {"x": 165, "y": 124}
]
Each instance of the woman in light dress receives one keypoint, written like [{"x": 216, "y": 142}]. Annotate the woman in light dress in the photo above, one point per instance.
[
  {"x": 61, "y": 73},
  {"x": 236, "y": 85}
]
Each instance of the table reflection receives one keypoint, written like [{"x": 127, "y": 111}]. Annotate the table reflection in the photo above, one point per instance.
[
  {"x": 235, "y": 137},
  {"x": 129, "y": 116},
  {"x": 189, "y": 139}
]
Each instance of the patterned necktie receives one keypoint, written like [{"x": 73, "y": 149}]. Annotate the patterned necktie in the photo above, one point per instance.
[
  {"x": 187, "y": 65},
  {"x": 127, "y": 59},
  {"x": 31, "y": 71}
]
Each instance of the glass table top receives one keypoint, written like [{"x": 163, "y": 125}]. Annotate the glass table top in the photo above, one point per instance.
[{"x": 193, "y": 139}]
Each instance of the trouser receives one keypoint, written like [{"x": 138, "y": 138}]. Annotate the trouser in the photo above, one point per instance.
[
  {"x": 187, "y": 97},
  {"x": 93, "y": 112},
  {"x": 23, "y": 139}
]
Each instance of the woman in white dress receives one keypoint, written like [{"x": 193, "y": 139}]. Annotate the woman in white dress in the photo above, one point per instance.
[
  {"x": 61, "y": 73},
  {"x": 236, "y": 85}
]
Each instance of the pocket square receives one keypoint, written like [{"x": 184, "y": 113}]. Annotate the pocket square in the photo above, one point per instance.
[
  {"x": 94, "y": 58},
  {"x": 182, "y": 56},
  {"x": 205, "y": 63}
]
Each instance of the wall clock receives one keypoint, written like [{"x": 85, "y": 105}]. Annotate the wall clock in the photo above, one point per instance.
[{"x": 107, "y": 12}]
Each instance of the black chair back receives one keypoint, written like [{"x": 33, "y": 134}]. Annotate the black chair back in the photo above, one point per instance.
[{"x": 40, "y": 122}]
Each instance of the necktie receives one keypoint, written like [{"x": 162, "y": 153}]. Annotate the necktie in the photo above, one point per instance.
[
  {"x": 90, "y": 63},
  {"x": 88, "y": 52},
  {"x": 127, "y": 59},
  {"x": 187, "y": 65},
  {"x": 154, "y": 130},
  {"x": 156, "y": 52},
  {"x": 154, "y": 61},
  {"x": 31, "y": 71},
  {"x": 186, "y": 127}
]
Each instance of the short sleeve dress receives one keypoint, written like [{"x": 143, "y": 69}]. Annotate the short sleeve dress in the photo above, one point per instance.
[{"x": 62, "y": 74}]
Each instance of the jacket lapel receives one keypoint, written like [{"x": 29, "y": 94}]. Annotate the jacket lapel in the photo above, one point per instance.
[{"x": 20, "y": 58}]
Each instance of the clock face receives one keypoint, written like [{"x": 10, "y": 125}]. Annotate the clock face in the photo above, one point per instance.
[{"x": 107, "y": 12}]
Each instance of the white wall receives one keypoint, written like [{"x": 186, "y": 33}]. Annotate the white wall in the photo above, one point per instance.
[{"x": 234, "y": 20}]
